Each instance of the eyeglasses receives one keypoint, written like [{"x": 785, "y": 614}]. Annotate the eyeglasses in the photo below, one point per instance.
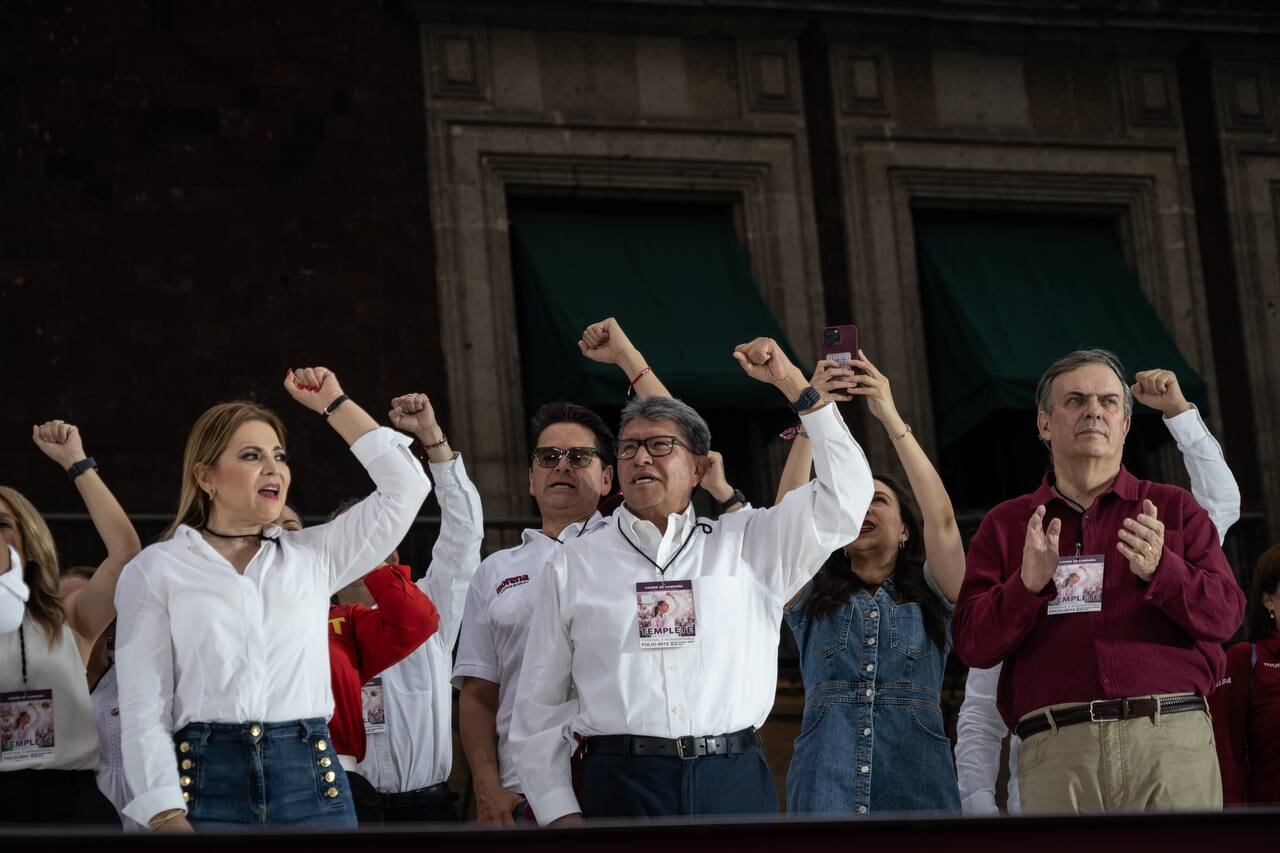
[
  {"x": 657, "y": 445},
  {"x": 549, "y": 457}
]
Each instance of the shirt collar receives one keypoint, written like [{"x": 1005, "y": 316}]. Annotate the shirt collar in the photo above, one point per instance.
[
  {"x": 676, "y": 521},
  {"x": 533, "y": 535},
  {"x": 1125, "y": 486}
]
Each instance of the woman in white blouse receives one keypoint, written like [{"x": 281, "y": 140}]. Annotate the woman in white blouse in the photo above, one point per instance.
[
  {"x": 221, "y": 646},
  {"x": 47, "y": 776}
]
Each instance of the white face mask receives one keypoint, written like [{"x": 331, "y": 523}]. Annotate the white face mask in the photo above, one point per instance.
[{"x": 13, "y": 595}]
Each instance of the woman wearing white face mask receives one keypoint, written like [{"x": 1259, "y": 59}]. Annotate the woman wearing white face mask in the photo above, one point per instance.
[
  {"x": 47, "y": 769},
  {"x": 221, "y": 647}
]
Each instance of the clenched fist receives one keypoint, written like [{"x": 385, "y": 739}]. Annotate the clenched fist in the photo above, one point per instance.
[
  {"x": 313, "y": 387},
  {"x": 60, "y": 441}
]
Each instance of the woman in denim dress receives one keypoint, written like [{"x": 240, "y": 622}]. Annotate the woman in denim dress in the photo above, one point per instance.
[{"x": 872, "y": 628}]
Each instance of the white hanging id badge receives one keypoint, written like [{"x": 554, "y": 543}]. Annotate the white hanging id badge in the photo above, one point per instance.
[
  {"x": 26, "y": 726},
  {"x": 1079, "y": 583},
  {"x": 665, "y": 614},
  {"x": 374, "y": 707}
]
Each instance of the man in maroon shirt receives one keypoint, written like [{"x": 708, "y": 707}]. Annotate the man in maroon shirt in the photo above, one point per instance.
[{"x": 1107, "y": 696}]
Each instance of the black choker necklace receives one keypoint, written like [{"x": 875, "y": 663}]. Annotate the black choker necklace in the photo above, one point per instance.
[{"x": 260, "y": 536}]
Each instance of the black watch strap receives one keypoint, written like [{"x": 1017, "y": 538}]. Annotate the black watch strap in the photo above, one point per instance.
[
  {"x": 333, "y": 407},
  {"x": 736, "y": 498},
  {"x": 80, "y": 467},
  {"x": 807, "y": 400}
]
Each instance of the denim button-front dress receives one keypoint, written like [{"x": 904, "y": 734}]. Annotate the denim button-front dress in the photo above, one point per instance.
[{"x": 872, "y": 738}]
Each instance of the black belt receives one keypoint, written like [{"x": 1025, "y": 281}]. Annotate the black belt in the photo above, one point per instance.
[
  {"x": 1108, "y": 711},
  {"x": 432, "y": 792},
  {"x": 681, "y": 747}
]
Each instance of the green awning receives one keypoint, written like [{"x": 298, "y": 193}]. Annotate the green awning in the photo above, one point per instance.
[
  {"x": 675, "y": 277},
  {"x": 1004, "y": 300}
]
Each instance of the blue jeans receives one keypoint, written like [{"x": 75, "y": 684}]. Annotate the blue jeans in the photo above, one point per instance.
[{"x": 262, "y": 774}]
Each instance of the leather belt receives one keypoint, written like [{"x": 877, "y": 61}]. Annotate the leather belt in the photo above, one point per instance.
[
  {"x": 1109, "y": 710},
  {"x": 688, "y": 747},
  {"x": 440, "y": 790}
]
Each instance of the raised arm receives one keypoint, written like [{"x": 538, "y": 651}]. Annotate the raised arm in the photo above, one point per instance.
[
  {"x": 606, "y": 343},
  {"x": 456, "y": 553},
  {"x": 91, "y": 607},
  {"x": 403, "y": 620},
  {"x": 942, "y": 543},
  {"x": 786, "y": 545},
  {"x": 1212, "y": 483},
  {"x": 361, "y": 538},
  {"x": 833, "y": 382}
]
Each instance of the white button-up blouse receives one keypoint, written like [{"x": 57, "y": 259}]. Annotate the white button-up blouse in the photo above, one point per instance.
[{"x": 199, "y": 642}]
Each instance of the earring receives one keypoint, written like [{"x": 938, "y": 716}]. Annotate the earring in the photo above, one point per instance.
[
  {"x": 1272, "y": 613},
  {"x": 902, "y": 544}
]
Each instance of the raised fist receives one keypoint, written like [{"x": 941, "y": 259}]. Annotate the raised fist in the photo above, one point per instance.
[
  {"x": 763, "y": 360},
  {"x": 60, "y": 441},
  {"x": 604, "y": 342},
  {"x": 313, "y": 387},
  {"x": 414, "y": 414}
]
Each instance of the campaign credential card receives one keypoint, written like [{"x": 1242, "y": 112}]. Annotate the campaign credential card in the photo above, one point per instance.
[
  {"x": 26, "y": 725},
  {"x": 1079, "y": 583},
  {"x": 665, "y": 614}
]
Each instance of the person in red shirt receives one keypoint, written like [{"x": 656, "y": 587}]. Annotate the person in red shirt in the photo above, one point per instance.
[
  {"x": 1246, "y": 703},
  {"x": 1107, "y": 696}
]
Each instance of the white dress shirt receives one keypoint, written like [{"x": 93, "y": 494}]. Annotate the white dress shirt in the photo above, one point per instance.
[
  {"x": 979, "y": 729},
  {"x": 416, "y": 748},
  {"x": 585, "y": 632},
  {"x": 111, "y": 780},
  {"x": 199, "y": 642},
  {"x": 500, "y": 604}
]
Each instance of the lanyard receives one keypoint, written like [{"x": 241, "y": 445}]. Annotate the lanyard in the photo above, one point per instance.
[
  {"x": 581, "y": 530},
  {"x": 22, "y": 644},
  {"x": 1080, "y": 528},
  {"x": 662, "y": 570}
]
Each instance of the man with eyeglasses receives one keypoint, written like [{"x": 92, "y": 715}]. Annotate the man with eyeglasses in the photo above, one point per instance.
[
  {"x": 571, "y": 470},
  {"x": 670, "y": 719}
]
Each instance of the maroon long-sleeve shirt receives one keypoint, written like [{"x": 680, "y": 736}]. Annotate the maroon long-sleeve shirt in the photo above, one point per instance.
[
  {"x": 1157, "y": 637},
  {"x": 1246, "y": 723}
]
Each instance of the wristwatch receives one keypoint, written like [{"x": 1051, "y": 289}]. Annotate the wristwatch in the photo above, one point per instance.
[
  {"x": 736, "y": 498},
  {"x": 807, "y": 400},
  {"x": 80, "y": 467}
]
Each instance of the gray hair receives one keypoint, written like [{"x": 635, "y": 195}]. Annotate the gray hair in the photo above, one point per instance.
[
  {"x": 693, "y": 428},
  {"x": 1071, "y": 361}
]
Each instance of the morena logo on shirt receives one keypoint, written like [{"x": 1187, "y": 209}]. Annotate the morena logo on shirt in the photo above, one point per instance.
[{"x": 509, "y": 583}]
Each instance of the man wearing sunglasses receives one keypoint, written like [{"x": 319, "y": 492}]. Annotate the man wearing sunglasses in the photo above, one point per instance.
[
  {"x": 670, "y": 722},
  {"x": 571, "y": 470}
]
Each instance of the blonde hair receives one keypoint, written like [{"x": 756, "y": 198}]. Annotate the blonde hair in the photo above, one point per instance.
[
  {"x": 41, "y": 571},
  {"x": 208, "y": 439}
]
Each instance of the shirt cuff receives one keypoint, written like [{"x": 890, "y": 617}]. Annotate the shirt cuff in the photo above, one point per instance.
[
  {"x": 553, "y": 804},
  {"x": 384, "y": 577},
  {"x": 979, "y": 803},
  {"x": 446, "y": 471},
  {"x": 1171, "y": 576},
  {"x": 823, "y": 423},
  {"x": 1188, "y": 427},
  {"x": 471, "y": 670},
  {"x": 146, "y": 806},
  {"x": 1023, "y": 601},
  {"x": 376, "y": 442}
]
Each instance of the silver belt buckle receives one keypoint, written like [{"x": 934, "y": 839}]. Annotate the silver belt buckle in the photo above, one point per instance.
[
  {"x": 1093, "y": 716},
  {"x": 693, "y": 747}
]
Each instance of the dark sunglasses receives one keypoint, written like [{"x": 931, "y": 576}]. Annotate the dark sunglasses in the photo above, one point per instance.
[
  {"x": 579, "y": 457},
  {"x": 657, "y": 445}
]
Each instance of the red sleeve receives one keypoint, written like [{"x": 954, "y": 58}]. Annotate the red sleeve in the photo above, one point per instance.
[
  {"x": 402, "y": 621},
  {"x": 994, "y": 611},
  {"x": 1197, "y": 588},
  {"x": 1229, "y": 705}
]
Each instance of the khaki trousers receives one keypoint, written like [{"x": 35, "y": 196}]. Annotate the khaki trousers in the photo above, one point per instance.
[{"x": 1168, "y": 762}]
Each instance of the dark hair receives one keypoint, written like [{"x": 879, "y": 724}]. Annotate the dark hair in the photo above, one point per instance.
[
  {"x": 696, "y": 432},
  {"x": 551, "y": 414},
  {"x": 836, "y": 582},
  {"x": 1077, "y": 359},
  {"x": 1258, "y": 622}
]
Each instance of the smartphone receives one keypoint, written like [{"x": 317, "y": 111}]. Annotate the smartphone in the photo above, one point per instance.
[{"x": 840, "y": 343}]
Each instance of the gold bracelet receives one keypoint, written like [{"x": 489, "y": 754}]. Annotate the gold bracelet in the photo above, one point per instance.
[
  {"x": 906, "y": 432},
  {"x": 164, "y": 817}
]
